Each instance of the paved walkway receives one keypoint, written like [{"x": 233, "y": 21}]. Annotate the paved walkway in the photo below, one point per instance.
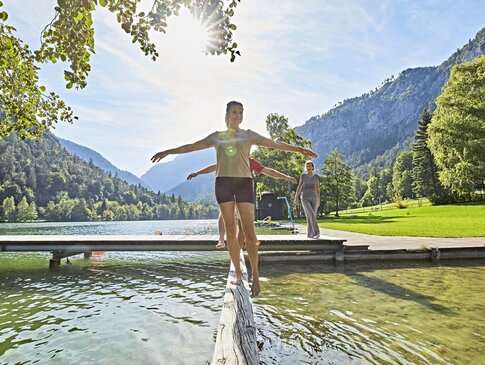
[{"x": 396, "y": 242}]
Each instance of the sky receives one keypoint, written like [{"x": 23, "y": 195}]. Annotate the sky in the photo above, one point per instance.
[{"x": 299, "y": 59}]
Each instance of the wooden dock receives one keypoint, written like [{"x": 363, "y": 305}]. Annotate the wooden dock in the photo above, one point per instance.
[{"x": 82, "y": 243}]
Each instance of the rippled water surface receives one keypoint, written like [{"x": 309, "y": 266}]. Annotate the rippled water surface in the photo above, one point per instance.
[{"x": 163, "y": 308}]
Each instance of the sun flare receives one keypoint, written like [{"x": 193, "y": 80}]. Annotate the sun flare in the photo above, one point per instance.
[{"x": 190, "y": 35}]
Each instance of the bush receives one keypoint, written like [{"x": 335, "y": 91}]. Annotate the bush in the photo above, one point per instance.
[{"x": 400, "y": 203}]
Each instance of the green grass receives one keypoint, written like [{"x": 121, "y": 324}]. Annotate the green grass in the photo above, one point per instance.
[
  {"x": 269, "y": 231},
  {"x": 410, "y": 203},
  {"x": 457, "y": 220}
]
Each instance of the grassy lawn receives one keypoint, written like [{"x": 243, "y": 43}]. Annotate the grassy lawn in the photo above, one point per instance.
[
  {"x": 269, "y": 231},
  {"x": 458, "y": 220}
]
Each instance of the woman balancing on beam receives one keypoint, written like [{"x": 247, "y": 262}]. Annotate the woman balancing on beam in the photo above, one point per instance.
[
  {"x": 254, "y": 166},
  {"x": 234, "y": 184}
]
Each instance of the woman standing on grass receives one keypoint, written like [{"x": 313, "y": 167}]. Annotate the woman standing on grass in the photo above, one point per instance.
[
  {"x": 309, "y": 189},
  {"x": 234, "y": 183}
]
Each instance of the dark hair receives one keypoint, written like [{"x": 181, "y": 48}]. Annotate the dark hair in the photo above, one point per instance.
[{"x": 231, "y": 104}]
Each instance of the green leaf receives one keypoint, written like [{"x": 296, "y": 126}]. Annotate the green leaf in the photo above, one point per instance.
[
  {"x": 78, "y": 17},
  {"x": 42, "y": 88},
  {"x": 3, "y": 15},
  {"x": 233, "y": 26},
  {"x": 103, "y": 3}
]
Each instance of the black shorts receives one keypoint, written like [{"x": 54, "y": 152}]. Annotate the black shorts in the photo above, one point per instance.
[{"x": 239, "y": 189}]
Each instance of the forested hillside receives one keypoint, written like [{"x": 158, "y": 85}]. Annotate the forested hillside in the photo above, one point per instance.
[
  {"x": 87, "y": 154},
  {"x": 40, "y": 179},
  {"x": 374, "y": 128}
]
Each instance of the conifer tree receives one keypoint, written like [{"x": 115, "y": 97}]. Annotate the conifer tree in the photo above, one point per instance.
[
  {"x": 337, "y": 184},
  {"x": 425, "y": 172}
]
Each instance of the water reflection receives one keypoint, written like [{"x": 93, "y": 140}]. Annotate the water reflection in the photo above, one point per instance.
[
  {"x": 373, "y": 314},
  {"x": 163, "y": 308}
]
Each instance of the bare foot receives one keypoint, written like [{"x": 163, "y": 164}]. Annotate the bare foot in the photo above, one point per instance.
[
  {"x": 221, "y": 244},
  {"x": 255, "y": 288},
  {"x": 237, "y": 280}
]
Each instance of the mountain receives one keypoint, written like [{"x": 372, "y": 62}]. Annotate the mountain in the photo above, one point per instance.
[
  {"x": 41, "y": 179},
  {"x": 88, "y": 154},
  {"x": 200, "y": 189},
  {"x": 375, "y": 127},
  {"x": 167, "y": 175}
]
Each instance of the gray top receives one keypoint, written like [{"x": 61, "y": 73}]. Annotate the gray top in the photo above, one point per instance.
[
  {"x": 309, "y": 186},
  {"x": 233, "y": 151}
]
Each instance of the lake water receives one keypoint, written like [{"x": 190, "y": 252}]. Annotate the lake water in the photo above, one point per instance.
[{"x": 163, "y": 308}]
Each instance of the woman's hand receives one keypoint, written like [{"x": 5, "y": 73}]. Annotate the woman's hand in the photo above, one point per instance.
[
  {"x": 160, "y": 155},
  {"x": 308, "y": 153},
  {"x": 192, "y": 175}
]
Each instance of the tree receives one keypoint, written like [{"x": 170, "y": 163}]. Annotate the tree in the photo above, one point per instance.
[
  {"x": 23, "y": 210},
  {"x": 8, "y": 207},
  {"x": 402, "y": 178},
  {"x": 80, "y": 211},
  {"x": 373, "y": 194},
  {"x": 337, "y": 183},
  {"x": 25, "y": 105},
  {"x": 425, "y": 172},
  {"x": 32, "y": 214},
  {"x": 288, "y": 163},
  {"x": 457, "y": 130}
]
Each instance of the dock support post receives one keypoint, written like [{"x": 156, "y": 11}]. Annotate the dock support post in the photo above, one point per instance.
[
  {"x": 54, "y": 263},
  {"x": 435, "y": 254},
  {"x": 339, "y": 257}
]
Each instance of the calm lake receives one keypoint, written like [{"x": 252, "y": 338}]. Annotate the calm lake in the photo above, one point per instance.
[{"x": 163, "y": 308}]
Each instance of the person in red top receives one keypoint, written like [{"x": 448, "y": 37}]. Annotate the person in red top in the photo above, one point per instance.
[{"x": 255, "y": 166}]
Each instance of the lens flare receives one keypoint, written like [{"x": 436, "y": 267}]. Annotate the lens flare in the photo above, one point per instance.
[{"x": 231, "y": 151}]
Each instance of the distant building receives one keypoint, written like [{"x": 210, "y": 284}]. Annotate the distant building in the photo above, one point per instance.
[{"x": 269, "y": 205}]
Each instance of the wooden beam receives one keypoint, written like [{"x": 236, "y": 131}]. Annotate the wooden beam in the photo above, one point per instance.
[
  {"x": 236, "y": 335},
  {"x": 156, "y": 243}
]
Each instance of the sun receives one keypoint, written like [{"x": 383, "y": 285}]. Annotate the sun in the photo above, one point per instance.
[{"x": 190, "y": 35}]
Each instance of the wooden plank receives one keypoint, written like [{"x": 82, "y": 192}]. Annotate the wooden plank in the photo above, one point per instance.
[
  {"x": 156, "y": 243},
  {"x": 236, "y": 335}
]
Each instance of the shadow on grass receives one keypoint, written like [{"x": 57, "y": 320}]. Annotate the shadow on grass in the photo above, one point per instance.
[{"x": 356, "y": 219}]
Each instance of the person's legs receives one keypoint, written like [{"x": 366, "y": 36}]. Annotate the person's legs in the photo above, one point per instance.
[
  {"x": 246, "y": 211},
  {"x": 310, "y": 217},
  {"x": 316, "y": 229},
  {"x": 227, "y": 211},
  {"x": 240, "y": 233},
  {"x": 222, "y": 232}
]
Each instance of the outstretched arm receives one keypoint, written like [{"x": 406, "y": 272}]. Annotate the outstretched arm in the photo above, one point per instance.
[
  {"x": 278, "y": 175},
  {"x": 267, "y": 142},
  {"x": 205, "y": 170},
  {"x": 199, "y": 145}
]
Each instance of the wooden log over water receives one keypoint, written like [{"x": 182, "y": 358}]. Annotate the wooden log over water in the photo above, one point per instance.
[{"x": 236, "y": 335}]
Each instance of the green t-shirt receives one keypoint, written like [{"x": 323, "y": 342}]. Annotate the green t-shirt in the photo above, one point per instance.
[{"x": 233, "y": 151}]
